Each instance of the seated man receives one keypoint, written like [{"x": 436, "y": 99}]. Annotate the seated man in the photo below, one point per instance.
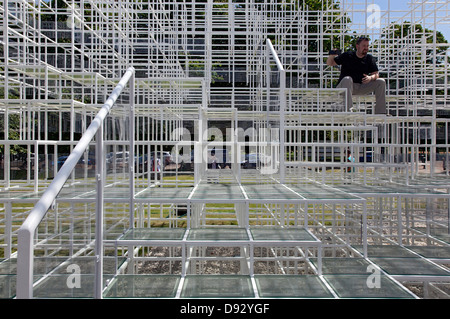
[{"x": 359, "y": 74}]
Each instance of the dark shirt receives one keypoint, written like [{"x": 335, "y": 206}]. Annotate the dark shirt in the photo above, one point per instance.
[{"x": 355, "y": 67}]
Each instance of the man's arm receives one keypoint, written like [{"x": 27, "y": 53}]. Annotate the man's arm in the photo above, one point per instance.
[
  {"x": 371, "y": 77},
  {"x": 330, "y": 60}
]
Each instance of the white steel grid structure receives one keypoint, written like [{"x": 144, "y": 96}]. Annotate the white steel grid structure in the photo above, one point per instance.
[{"x": 249, "y": 80}]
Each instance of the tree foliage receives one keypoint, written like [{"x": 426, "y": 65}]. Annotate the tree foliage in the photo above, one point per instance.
[{"x": 415, "y": 34}]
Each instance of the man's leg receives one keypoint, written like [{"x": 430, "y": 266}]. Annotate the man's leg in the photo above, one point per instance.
[
  {"x": 379, "y": 88},
  {"x": 347, "y": 83},
  {"x": 380, "y": 96}
]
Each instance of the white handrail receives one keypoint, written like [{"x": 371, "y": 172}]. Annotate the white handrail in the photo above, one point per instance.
[
  {"x": 275, "y": 55},
  {"x": 271, "y": 51},
  {"x": 25, "y": 252}
]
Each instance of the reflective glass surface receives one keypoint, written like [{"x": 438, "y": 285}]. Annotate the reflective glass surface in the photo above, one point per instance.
[
  {"x": 73, "y": 285},
  {"x": 219, "y": 192},
  {"x": 290, "y": 286},
  {"x": 143, "y": 286},
  {"x": 7, "y": 286},
  {"x": 387, "y": 251},
  {"x": 438, "y": 232},
  {"x": 349, "y": 266},
  {"x": 409, "y": 266},
  {"x": 178, "y": 193},
  {"x": 432, "y": 251},
  {"x": 270, "y": 191},
  {"x": 217, "y": 286},
  {"x": 218, "y": 234},
  {"x": 45, "y": 265},
  {"x": 365, "y": 286},
  {"x": 316, "y": 192},
  {"x": 154, "y": 233},
  {"x": 269, "y": 233}
]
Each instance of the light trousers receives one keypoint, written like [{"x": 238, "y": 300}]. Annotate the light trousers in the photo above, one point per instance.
[{"x": 378, "y": 87}]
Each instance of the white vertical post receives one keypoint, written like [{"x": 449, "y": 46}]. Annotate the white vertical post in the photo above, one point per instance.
[
  {"x": 25, "y": 260},
  {"x": 399, "y": 220},
  {"x": 282, "y": 118},
  {"x": 364, "y": 228},
  {"x": 8, "y": 226},
  {"x": 7, "y": 155},
  {"x": 132, "y": 144},
  {"x": 268, "y": 79},
  {"x": 282, "y": 100},
  {"x": 100, "y": 172}
]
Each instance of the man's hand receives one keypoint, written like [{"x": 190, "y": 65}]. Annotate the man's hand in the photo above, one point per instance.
[
  {"x": 367, "y": 78},
  {"x": 333, "y": 53}
]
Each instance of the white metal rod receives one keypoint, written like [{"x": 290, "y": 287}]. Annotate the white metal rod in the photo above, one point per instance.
[
  {"x": 27, "y": 230},
  {"x": 275, "y": 55}
]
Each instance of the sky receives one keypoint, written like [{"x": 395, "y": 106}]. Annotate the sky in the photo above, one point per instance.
[
  {"x": 400, "y": 5},
  {"x": 400, "y": 9}
]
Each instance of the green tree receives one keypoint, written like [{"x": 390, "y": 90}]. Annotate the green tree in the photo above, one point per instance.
[
  {"x": 416, "y": 32},
  {"x": 59, "y": 6}
]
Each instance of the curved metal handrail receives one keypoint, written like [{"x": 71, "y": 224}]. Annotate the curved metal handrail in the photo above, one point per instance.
[
  {"x": 25, "y": 252},
  {"x": 275, "y": 55},
  {"x": 282, "y": 91}
]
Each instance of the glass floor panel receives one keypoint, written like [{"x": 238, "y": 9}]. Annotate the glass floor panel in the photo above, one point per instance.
[
  {"x": 87, "y": 264},
  {"x": 22, "y": 194},
  {"x": 384, "y": 189},
  {"x": 85, "y": 191},
  {"x": 297, "y": 234},
  {"x": 426, "y": 180},
  {"x": 273, "y": 196},
  {"x": 268, "y": 191},
  {"x": 143, "y": 286},
  {"x": 112, "y": 193},
  {"x": 440, "y": 233},
  {"x": 217, "y": 286},
  {"x": 386, "y": 251},
  {"x": 78, "y": 190},
  {"x": 358, "y": 286},
  {"x": 322, "y": 193},
  {"x": 366, "y": 189},
  {"x": 329, "y": 196},
  {"x": 57, "y": 285},
  {"x": 44, "y": 265},
  {"x": 67, "y": 286},
  {"x": 218, "y": 192},
  {"x": 336, "y": 265},
  {"x": 9, "y": 266},
  {"x": 7, "y": 286},
  {"x": 30, "y": 195},
  {"x": 409, "y": 266},
  {"x": 154, "y": 234},
  {"x": 88, "y": 192},
  {"x": 218, "y": 234},
  {"x": 176, "y": 193},
  {"x": 432, "y": 251},
  {"x": 291, "y": 286}
]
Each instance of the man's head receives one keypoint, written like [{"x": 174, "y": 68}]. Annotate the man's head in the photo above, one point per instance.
[{"x": 362, "y": 46}]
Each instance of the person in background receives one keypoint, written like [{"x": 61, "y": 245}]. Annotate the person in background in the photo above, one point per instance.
[{"x": 350, "y": 159}]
